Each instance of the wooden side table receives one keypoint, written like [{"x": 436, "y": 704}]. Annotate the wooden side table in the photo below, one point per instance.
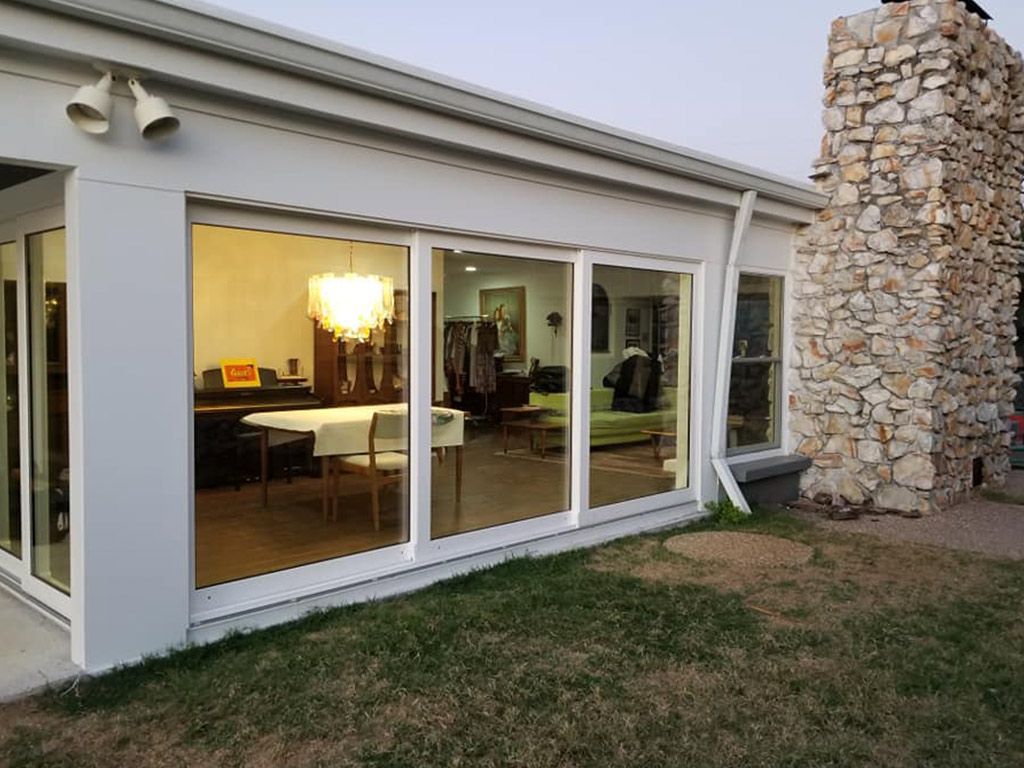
[
  {"x": 527, "y": 419},
  {"x": 657, "y": 438},
  {"x": 539, "y": 428}
]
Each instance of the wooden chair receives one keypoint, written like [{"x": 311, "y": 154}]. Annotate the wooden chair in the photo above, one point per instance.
[{"x": 381, "y": 467}]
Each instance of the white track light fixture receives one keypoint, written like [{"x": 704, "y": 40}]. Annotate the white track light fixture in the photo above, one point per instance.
[
  {"x": 153, "y": 115},
  {"x": 90, "y": 107}
]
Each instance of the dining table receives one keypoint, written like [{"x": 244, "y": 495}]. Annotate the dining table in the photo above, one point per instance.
[{"x": 345, "y": 431}]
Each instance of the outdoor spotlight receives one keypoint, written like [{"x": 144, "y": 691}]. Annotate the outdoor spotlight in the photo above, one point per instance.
[
  {"x": 153, "y": 115},
  {"x": 89, "y": 108}
]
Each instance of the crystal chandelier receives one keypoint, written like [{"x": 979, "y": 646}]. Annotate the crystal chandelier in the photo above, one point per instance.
[{"x": 351, "y": 306}]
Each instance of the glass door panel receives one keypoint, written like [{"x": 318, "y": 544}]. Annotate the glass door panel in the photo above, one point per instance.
[
  {"x": 305, "y": 458},
  {"x": 47, "y": 299},
  {"x": 10, "y": 439},
  {"x": 640, "y": 383},
  {"x": 502, "y": 355}
]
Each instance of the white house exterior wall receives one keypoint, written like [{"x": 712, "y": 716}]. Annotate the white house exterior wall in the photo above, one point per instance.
[{"x": 335, "y": 153}]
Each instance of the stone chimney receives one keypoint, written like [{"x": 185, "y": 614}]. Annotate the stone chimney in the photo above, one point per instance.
[{"x": 907, "y": 286}]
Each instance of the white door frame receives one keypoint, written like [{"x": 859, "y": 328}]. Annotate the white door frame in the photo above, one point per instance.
[
  {"x": 669, "y": 499},
  {"x": 428, "y": 549},
  {"x": 9, "y": 563},
  {"x": 217, "y": 601},
  {"x": 22, "y": 227}
]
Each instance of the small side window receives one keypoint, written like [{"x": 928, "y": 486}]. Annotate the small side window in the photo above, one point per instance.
[{"x": 755, "y": 389}]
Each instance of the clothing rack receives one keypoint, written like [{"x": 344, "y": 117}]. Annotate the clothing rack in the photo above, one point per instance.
[
  {"x": 470, "y": 342},
  {"x": 469, "y": 319}
]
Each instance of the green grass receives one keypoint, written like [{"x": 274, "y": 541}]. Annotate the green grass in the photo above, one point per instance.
[{"x": 624, "y": 656}]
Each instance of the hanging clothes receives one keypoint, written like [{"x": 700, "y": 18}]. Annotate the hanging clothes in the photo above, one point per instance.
[
  {"x": 486, "y": 371},
  {"x": 469, "y": 347}
]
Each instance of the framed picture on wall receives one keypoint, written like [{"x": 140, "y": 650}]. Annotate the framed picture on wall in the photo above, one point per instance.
[{"x": 507, "y": 306}]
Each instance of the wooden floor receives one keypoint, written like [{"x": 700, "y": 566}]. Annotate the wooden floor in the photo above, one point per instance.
[{"x": 237, "y": 538}]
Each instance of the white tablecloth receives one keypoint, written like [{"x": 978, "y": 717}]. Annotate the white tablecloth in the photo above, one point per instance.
[{"x": 344, "y": 431}]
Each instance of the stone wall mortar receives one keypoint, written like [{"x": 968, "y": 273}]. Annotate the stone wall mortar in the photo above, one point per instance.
[{"x": 906, "y": 287}]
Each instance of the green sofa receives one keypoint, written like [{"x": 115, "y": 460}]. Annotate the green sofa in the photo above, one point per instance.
[{"x": 608, "y": 427}]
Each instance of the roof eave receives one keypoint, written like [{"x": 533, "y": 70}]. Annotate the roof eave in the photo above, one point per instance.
[{"x": 221, "y": 32}]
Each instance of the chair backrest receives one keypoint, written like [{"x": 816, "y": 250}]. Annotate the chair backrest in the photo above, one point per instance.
[
  {"x": 388, "y": 425},
  {"x": 213, "y": 379}
]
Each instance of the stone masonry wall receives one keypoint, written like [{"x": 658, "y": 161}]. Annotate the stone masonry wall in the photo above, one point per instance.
[{"x": 907, "y": 286}]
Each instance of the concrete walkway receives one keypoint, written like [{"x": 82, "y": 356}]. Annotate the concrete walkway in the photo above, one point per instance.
[
  {"x": 34, "y": 651},
  {"x": 987, "y": 527}
]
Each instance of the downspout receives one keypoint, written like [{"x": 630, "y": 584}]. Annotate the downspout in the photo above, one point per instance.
[{"x": 723, "y": 373}]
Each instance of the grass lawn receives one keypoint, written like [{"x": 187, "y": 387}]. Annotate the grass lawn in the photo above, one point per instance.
[{"x": 872, "y": 654}]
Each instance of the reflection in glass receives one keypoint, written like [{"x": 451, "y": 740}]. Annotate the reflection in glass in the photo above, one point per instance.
[
  {"x": 755, "y": 384},
  {"x": 10, "y": 440},
  {"x": 47, "y": 294},
  {"x": 301, "y": 450},
  {"x": 502, "y": 357},
  {"x": 640, "y": 389}
]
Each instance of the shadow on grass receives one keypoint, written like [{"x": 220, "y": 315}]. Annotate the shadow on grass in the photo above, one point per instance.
[{"x": 556, "y": 662}]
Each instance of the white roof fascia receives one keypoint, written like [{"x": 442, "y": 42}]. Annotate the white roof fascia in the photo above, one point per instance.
[{"x": 236, "y": 36}]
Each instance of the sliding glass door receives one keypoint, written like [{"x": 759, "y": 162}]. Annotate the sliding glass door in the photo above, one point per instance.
[
  {"x": 640, "y": 382},
  {"x": 10, "y": 430},
  {"x": 35, "y": 467},
  {"x": 48, "y": 363},
  {"x": 505, "y": 329}
]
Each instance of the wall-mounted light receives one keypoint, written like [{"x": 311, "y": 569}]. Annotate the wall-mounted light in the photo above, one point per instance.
[
  {"x": 90, "y": 107},
  {"x": 471, "y": 269},
  {"x": 152, "y": 114}
]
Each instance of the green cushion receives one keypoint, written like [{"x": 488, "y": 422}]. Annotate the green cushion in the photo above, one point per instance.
[
  {"x": 608, "y": 427},
  {"x": 600, "y": 400}
]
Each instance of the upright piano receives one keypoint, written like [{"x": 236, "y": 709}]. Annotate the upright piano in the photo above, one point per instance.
[{"x": 226, "y": 451}]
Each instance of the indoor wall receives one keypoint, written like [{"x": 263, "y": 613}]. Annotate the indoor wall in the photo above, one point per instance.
[{"x": 244, "y": 278}]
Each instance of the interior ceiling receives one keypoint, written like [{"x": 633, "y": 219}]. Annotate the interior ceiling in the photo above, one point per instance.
[{"x": 16, "y": 174}]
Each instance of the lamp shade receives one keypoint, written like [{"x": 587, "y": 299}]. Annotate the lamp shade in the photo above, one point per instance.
[
  {"x": 152, "y": 114},
  {"x": 90, "y": 107},
  {"x": 351, "y": 306}
]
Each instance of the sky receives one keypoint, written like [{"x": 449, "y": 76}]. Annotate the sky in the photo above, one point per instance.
[{"x": 742, "y": 79}]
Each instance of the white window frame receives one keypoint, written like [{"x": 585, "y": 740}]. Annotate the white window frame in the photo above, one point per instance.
[
  {"x": 430, "y": 550},
  {"x": 217, "y": 601},
  {"x": 668, "y": 499},
  {"x": 782, "y": 446},
  {"x": 18, "y": 230},
  {"x": 225, "y": 602}
]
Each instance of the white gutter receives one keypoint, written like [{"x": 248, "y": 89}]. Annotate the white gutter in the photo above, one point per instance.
[{"x": 723, "y": 373}]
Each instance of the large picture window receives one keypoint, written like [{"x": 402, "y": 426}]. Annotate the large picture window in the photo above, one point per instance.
[
  {"x": 301, "y": 417},
  {"x": 755, "y": 388}
]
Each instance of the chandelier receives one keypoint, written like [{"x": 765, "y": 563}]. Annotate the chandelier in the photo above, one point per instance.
[{"x": 351, "y": 306}]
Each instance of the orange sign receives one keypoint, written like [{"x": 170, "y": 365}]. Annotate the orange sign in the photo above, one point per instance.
[{"x": 240, "y": 373}]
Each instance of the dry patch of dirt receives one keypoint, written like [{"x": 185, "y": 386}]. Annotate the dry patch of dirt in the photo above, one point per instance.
[
  {"x": 734, "y": 548},
  {"x": 844, "y": 576}
]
